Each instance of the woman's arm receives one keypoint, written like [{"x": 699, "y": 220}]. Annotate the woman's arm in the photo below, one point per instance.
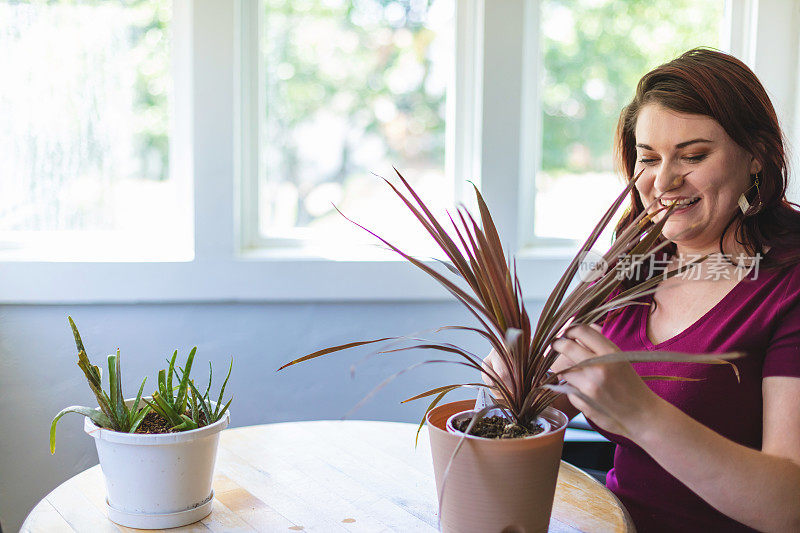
[{"x": 758, "y": 488}]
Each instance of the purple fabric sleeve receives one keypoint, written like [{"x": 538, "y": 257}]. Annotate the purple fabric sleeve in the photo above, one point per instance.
[{"x": 783, "y": 354}]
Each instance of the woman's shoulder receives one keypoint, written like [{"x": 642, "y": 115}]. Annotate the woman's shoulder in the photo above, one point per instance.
[
  {"x": 780, "y": 266},
  {"x": 773, "y": 283},
  {"x": 783, "y": 353}
]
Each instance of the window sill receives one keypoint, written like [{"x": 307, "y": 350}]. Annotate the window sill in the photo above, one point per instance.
[{"x": 256, "y": 276}]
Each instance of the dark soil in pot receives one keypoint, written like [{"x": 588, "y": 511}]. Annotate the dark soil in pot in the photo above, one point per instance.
[
  {"x": 155, "y": 423},
  {"x": 496, "y": 427}
]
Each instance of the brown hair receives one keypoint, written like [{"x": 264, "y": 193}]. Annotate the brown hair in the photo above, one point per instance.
[{"x": 711, "y": 83}]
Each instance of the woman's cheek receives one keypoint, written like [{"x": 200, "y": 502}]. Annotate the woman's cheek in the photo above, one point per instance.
[
  {"x": 646, "y": 201},
  {"x": 642, "y": 195}
]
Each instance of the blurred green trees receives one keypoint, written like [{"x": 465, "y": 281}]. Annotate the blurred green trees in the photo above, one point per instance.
[
  {"x": 349, "y": 85},
  {"x": 151, "y": 45},
  {"x": 351, "y": 82},
  {"x": 365, "y": 70},
  {"x": 595, "y": 51},
  {"x": 86, "y": 99}
]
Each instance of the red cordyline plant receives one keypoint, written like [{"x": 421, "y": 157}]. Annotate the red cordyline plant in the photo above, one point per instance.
[{"x": 493, "y": 295}]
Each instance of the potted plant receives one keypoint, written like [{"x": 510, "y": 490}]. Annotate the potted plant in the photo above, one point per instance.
[
  {"x": 157, "y": 453},
  {"x": 500, "y": 471}
]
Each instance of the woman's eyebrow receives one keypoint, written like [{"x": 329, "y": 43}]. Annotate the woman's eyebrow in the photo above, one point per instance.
[
  {"x": 693, "y": 141},
  {"x": 684, "y": 144}
]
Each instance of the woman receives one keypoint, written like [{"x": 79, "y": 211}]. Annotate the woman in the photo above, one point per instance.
[{"x": 714, "y": 454}]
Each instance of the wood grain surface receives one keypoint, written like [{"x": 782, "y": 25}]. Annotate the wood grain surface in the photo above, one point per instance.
[{"x": 323, "y": 476}]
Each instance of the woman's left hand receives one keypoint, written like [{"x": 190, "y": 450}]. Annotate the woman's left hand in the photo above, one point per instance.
[{"x": 623, "y": 402}]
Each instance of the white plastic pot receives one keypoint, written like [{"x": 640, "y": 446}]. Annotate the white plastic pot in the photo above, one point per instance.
[
  {"x": 543, "y": 422},
  {"x": 156, "y": 481}
]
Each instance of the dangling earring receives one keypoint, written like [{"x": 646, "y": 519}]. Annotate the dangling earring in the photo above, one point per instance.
[{"x": 744, "y": 205}]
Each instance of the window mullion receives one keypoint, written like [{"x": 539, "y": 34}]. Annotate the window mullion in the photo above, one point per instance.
[
  {"x": 738, "y": 28},
  {"x": 463, "y": 118},
  {"x": 248, "y": 121},
  {"x": 180, "y": 150},
  {"x": 502, "y": 113},
  {"x": 213, "y": 60},
  {"x": 531, "y": 128},
  {"x": 775, "y": 28}
]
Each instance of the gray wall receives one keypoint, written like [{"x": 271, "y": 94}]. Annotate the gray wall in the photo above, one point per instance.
[{"x": 38, "y": 374}]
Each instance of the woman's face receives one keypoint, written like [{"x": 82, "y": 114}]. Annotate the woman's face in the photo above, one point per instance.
[{"x": 691, "y": 160}]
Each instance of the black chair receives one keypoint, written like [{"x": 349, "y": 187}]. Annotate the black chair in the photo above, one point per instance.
[{"x": 587, "y": 449}]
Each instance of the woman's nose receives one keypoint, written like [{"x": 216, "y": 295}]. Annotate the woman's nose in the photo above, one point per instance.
[{"x": 667, "y": 178}]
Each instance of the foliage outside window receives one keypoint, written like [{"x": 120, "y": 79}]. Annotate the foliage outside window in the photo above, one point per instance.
[
  {"x": 86, "y": 98},
  {"x": 352, "y": 87},
  {"x": 595, "y": 51}
]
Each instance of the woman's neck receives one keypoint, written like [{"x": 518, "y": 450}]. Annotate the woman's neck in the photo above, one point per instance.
[{"x": 730, "y": 247}]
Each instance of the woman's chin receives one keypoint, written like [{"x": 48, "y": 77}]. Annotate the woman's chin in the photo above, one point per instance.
[{"x": 678, "y": 232}]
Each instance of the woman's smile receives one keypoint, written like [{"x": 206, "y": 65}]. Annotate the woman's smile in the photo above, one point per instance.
[{"x": 681, "y": 204}]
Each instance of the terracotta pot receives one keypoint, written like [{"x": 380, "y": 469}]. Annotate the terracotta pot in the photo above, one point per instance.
[{"x": 496, "y": 485}]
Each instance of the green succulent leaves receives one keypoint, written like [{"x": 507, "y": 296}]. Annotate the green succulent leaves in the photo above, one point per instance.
[
  {"x": 182, "y": 405},
  {"x": 202, "y": 402},
  {"x": 112, "y": 412},
  {"x": 171, "y": 404}
]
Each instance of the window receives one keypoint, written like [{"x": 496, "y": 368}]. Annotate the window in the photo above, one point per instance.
[
  {"x": 351, "y": 88},
  {"x": 594, "y": 52},
  {"x": 137, "y": 133},
  {"x": 85, "y": 145}
]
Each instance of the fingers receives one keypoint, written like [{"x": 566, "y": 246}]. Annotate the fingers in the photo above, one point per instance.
[
  {"x": 494, "y": 367},
  {"x": 572, "y": 350},
  {"x": 592, "y": 338},
  {"x": 583, "y": 342},
  {"x": 487, "y": 365}
]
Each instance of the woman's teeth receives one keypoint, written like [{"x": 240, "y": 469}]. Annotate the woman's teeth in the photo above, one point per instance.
[{"x": 679, "y": 203}]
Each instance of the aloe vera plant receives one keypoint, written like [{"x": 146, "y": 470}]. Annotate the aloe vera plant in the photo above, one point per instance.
[
  {"x": 112, "y": 412},
  {"x": 486, "y": 283},
  {"x": 201, "y": 403},
  {"x": 173, "y": 403}
]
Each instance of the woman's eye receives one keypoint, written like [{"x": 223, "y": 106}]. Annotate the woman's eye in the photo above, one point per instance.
[
  {"x": 647, "y": 161},
  {"x": 695, "y": 158}
]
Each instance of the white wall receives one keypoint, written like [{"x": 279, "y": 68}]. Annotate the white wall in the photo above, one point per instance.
[{"x": 38, "y": 374}]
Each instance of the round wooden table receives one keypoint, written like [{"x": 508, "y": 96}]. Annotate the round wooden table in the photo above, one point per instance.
[{"x": 324, "y": 476}]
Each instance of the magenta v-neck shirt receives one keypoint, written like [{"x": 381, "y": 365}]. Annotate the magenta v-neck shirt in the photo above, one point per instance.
[{"x": 759, "y": 316}]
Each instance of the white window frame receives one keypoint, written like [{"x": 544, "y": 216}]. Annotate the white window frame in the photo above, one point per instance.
[{"x": 498, "y": 59}]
